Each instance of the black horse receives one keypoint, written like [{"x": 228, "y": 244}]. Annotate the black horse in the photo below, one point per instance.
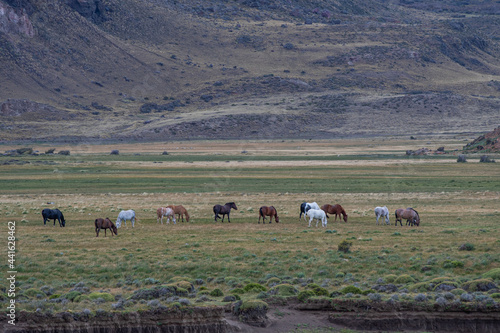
[
  {"x": 53, "y": 214},
  {"x": 224, "y": 210}
]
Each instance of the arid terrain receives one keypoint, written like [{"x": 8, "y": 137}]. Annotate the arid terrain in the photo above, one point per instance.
[{"x": 108, "y": 70}]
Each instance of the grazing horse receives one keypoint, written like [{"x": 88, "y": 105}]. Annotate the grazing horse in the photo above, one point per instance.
[
  {"x": 305, "y": 206},
  {"x": 268, "y": 211},
  {"x": 106, "y": 223},
  {"x": 165, "y": 211},
  {"x": 409, "y": 214},
  {"x": 53, "y": 214},
  {"x": 334, "y": 209},
  {"x": 124, "y": 216},
  {"x": 224, "y": 210},
  {"x": 317, "y": 214},
  {"x": 180, "y": 211},
  {"x": 382, "y": 211}
]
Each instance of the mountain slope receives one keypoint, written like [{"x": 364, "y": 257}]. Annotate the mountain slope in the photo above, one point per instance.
[{"x": 160, "y": 70}]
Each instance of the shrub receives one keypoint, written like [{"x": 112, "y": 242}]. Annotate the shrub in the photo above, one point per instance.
[
  {"x": 32, "y": 292},
  {"x": 254, "y": 287},
  {"x": 446, "y": 286},
  {"x": 461, "y": 158},
  {"x": 81, "y": 298},
  {"x": 273, "y": 281},
  {"x": 495, "y": 295},
  {"x": 479, "y": 285},
  {"x": 466, "y": 247},
  {"x": 375, "y": 297},
  {"x": 105, "y": 296},
  {"x": 284, "y": 289},
  {"x": 304, "y": 295},
  {"x": 182, "y": 284},
  {"x": 420, "y": 287},
  {"x": 253, "y": 304},
  {"x": 71, "y": 295},
  {"x": 453, "y": 264},
  {"x": 318, "y": 291},
  {"x": 216, "y": 292},
  {"x": 345, "y": 246},
  {"x": 55, "y": 296},
  {"x": 238, "y": 291},
  {"x": 390, "y": 278},
  {"x": 351, "y": 289},
  {"x": 493, "y": 274},
  {"x": 466, "y": 297},
  {"x": 420, "y": 298},
  {"x": 405, "y": 278}
]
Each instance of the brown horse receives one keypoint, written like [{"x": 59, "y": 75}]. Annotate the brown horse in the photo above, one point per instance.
[
  {"x": 106, "y": 223},
  {"x": 180, "y": 211},
  {"x": 224, "y": 210},
  {"x": 268, "y": 211},
  {"x": 409, "y": 214},
  {"x": 334, "y": 209}
]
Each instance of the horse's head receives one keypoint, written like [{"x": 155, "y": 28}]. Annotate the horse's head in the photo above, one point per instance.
[
  {"x": 345, "y": 218},
  {"x": 114, "y": 229},
  {"x": 233, "y": 205},
  {"x": 277, "y": 219}
]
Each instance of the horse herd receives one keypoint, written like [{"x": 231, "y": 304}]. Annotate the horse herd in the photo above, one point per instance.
[{"x": 311, "y": 209}]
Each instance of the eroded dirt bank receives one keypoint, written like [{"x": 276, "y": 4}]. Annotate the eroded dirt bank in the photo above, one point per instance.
[{"x": 290, "y": 316}]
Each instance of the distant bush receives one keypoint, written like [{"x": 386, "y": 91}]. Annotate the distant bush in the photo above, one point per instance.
[
  {"x": 479, "y": 285},
  {"x": 390, "y": 278},
  {"x": 466, "y": 247},
  {"x": 105, "y": 296},
  {"x": 284, "y": 289},
  {"x": 216, "y": 292},
  {"x": 318, "y": 291},
  {"x": 461, "y": 158},
  {"x": 254, "y": 287},
  {"x": 486, "y": 159},
  {"x": 351, "y": 289},
  {"x": 492, "y": 274},
  {"x": 453, "y": 264},
  {"x": 345, "y": 246},
  {"x": 304, "y": 295},
  {"x": 405, "y": 278}
]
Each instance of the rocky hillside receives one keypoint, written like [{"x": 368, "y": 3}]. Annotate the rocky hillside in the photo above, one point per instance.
[
  {"x": 488, "y": 143},
  {"x": 76, "y": 70}
]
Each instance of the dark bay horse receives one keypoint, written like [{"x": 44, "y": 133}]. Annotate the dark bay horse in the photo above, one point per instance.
[
  {"x": 106, "y": 223},
  {"x": 53, "y": 214},
  {"x": 409, "y": 214},
  {"x": 334, "y": 209},
  {"x": 180, "y": 211},
  {"x": 268, "y": 211},
  {"x": 224, "y": 210}
]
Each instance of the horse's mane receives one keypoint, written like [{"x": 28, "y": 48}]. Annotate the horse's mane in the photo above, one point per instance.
[{"x": 415, "y": 212}]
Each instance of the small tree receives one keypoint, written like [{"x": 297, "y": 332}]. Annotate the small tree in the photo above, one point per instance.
[{"x": 461, "y": 158}]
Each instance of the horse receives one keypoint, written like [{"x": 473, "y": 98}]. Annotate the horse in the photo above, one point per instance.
[
  {"x": 224, "y": 210},
  {"x": 180, "y": 211},
  {"x": 305, "y": 206},
  {"x": 53, "y": 214},
  {"x": 165, "y": 211},
  {"x": 382, "y": 211},
  {"x": 317, "y": 214},
  {"x": 268, "y": 211},
  {"x": 409, "y": 214},
  {"x": 334, "y": 209},
  {"x": 106, "y": 223},
  {"x": 124, "y": 216}
]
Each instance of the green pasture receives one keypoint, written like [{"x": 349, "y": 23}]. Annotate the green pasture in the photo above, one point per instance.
[{"x": 457, "y": 202}]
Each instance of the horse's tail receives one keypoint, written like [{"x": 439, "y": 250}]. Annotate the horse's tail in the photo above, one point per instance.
[{"x": 261, "y": 213}]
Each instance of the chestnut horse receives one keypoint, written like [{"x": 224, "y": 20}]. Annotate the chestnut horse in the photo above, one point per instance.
[
  {"x": 224, "y": 210},
  {"x": 106, "y": 223},
  {"x": 409, "y": 214},
  {"x": 335, "y": 209},
  {"x": 180, "y": 211},
  {"x": 268, "y": 211},
  {"x": 165, "y": 211}
]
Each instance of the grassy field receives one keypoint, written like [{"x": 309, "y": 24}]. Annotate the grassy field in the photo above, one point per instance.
[{"x": 457, "y": 202}]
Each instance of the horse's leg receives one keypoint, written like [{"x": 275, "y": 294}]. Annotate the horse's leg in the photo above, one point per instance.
[
  {"x": 105, "y": 229},
  {"x": 96, "y": 232},
  {"x": 310, "y": 220},
  {"x": 173, "y": 217},
  {"x": 228, "y": 220}
]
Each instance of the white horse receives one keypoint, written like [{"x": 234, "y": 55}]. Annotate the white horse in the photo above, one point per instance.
[
  {"x": 382, "y": 211},
  {"x": 165, "y": 211},
  {"x": 124, "y": 216},
  {"x": 317, "y": 214},
  {"x": 305, "y": 206}
]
